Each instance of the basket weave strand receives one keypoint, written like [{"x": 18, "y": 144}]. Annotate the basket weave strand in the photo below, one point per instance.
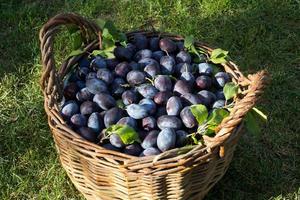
[{"x": 185, "y": 173}]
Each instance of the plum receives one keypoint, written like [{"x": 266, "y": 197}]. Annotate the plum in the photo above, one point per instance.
[
  {"x": 88, "y": 134},
  {"x": 137, "y": 111},
  {"x": 150, "y": 139},
  {"x": 161, "y": 98},
  {"x": 146, "y": 61},
  {"x": 78, "y": 120},
  {"x": 181, "y": 138},
  {"x": 95, "y": 122},
  {"x": 147, "y": 90},
  {"x": 134, "y": 149},
  {"x": 204, "y": 82},
  {"x": 128, "y": 121},
  {"x": 174, "y": 106},
  {"x": 154, "y": 43},
  {"x": 163, "y": 83},
  {"x": 180, "y": 45},
  {"x": 111, "y": 63},
  {"x": 96, "y": 86},
  {"x": 116, "y": 141},
  {"x": 112, "y": 116},
  {"x": 161, "y": 111},
  {"x": 167, "y": 45},
  {"x": 144, "y": 53},
  {"x": 122, "y": 69},
  {"x": 166, "y": 121},
  {"x": 88, "y": 107},
  {"x": 123, "y": 53},
  {"x": 166, "y": 139},
  {"x": 110, "y": 147},
  {"x": 129, "y": 97},
  {"x": 207, "y": 97},
  {"x": 70, "y": 108},
  {"x": 150, "y": 152},
  {"x": 181, "y": 87},
  {"x": 105, "y": 75},
  {"x": 219, "y": 104},
  {"x": 183, "y": 67},
  {"x": 220, "y": 95},
  {"x": 188, "y": 77},
  {"x": 135, "y": 77},
  {"x": 116, "y": 86},
  {"x": 84, "y": 62},
  {"x": 98, "y": 63},
  {"x": 183, "y": 57},
  {"x": 91, "y": 75},
  {"x": 190, "y": 99},
  {"x": 221, "y": 79},
  {"x": 149, "y": 123},
  {"x": 149, "y": 105},
  {"x": 152, "y": 70},
  {"x": 84, "y": 95},
  {"x": 167, "y": 65},
  {"x": 205, "y": 69},
  {"x": 188, "y": 118},
  {"x": 157, "y": 55},
  {"x": 82, "y": 72},
  {"x": 104, "y": 101}
]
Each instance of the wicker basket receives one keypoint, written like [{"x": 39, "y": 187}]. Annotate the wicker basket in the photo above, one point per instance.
[{"x": 186, "y": 173}]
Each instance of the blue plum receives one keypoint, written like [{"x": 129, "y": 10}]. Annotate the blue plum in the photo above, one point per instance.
[
  {"x": 174, "y": 106},
  {"x": 91, "y": 75},
  {"x": 157, "y": 55},
  {"x": 128, "y": 121},
  {"x": 70, "y": 91},
  {"x": 181, "y": 87},
  {"x": 150, "y": 140},
  {"x": 137, "y": 111},
  {"x": 183, "y": 57},
  {"x": 112, "y": 116},
  {"x": 135, "y": 77},
  {"x": 222, "y": 78},
  {"x": 95, "y": 122},
  {"x": 154, "y": 43},
  {"x": 84, "y": 95},
  {"x": 129, "y": 97},
  {"x": 163, "y": 83},
  {"x": 166, "y": 139},
  {"x": 96, "y": 86},
  {"x": 105, "y": 75},
  {"x": 190, "y": 99},
  {"x": 110, "y": 147},
  {"x": 149, "y": 105},
  {"x": 140, "y": 41},
  {"x": 167, "y": 121},
  {"x": 78, "y": 120},
  {"x": 147, "y": 90},
  {"x": 207, "y": 97},
  {"x": 220, "y": 95},
  {"x": 116, "y": 141},
  {"x": 152, "y": 70},
  {"x": 188, "y": 118},
  {"x": 82, "y": 72},
  {"x": 88, "y": 134},
  {"x": 122, "y": 69},
  {"x": 104, "y": 101},
  {"x": 98, "y": 63},
  {"x": 167, "y": 45},
  {"x": 134, "y": 149},
  {"x": 205, "y": 69},
  {"x": 188, "y": 77},
  {"x": 146, "y": 61},
  {"x": 88, "y": 107},
  {"x": 161, "y": 98},
  {"x": 149, "y": 123},
  {"x": 144, "y": 53},
  {"x": 150, "y": 152},
  {"x": 167, "y": 65},
  {"x": 70, "y": 108},
  {"x": 116, "y": 86},
  {"x": 123, "y": 53},
  {"x": 204, "y": 82}
]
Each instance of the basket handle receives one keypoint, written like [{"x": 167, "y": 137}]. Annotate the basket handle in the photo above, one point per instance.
[
  {"x": 49, "y": 74},
  {"x": 256, "y": 84}
]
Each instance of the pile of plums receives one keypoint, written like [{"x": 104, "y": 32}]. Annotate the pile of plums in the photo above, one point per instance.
[{"x": 149, "y": 85}]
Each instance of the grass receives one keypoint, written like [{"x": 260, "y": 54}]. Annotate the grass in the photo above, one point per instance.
[{"x": 260, "y": 34}]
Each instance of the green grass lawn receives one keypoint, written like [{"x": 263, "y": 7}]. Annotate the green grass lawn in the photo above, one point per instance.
[{"x": 260, "y": 34}]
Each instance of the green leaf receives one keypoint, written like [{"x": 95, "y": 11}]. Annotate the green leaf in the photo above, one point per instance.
[
  {"x": 194, "y": 139},
  {"x": 200, "y": 113},
  {"x": 76, "y": 53},
  {"x": 230, "y": 90},
  {"x": 259, "y": 114},
  {"x": 217, "y": 116},
  {"x": 252, "y": 124},
  {"x": 218, "y": 56},
  {"x": 127, "y": 134},
  {"x": 106, "y": 34},
  {"x": 189, "y": 41},
  {"x": 72, "y": 28}
]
